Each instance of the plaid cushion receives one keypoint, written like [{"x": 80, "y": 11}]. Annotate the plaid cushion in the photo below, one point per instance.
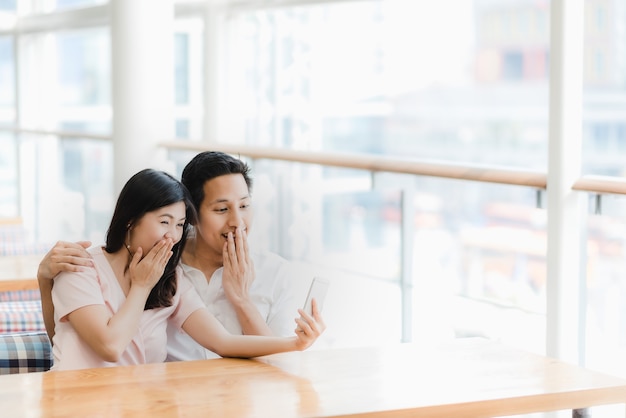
[
  {"x": 21, "y": 316},
  {"x": 20, "y": 306},
  {"x": 26, "y": 294},
  {"x": 25, "y": 352}
]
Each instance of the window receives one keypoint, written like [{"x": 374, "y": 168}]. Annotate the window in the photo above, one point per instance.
[
  {"x": 7, "y": 93},
  {"x": 189, "y": 77},
  {"x": 604, "y": 87},
  {"x": 398, "y": 82}
]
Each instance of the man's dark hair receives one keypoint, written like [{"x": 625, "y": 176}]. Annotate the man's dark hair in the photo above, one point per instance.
[{"x": 208, "y": 165}]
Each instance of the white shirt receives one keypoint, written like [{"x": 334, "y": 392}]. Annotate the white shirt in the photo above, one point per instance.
[{"x": 271, "y": 292}]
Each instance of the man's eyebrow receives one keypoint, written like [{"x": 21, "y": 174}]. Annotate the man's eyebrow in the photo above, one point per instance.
[
  {"x": 218, "y": 200},
  {"x": 222, "y": 200}
]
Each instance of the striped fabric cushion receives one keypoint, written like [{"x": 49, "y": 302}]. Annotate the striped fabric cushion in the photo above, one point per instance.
[
  {"x": 25, "y": 352},
  {"x": 21, "y": 306},
  {"x": 21, "y": 316},
  {"x": 16, "y": 295}
]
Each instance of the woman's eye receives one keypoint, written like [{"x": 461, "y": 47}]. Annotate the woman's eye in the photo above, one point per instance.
[
  {"x": 180, "y": 225},
  {"x": 221, "y": 210},
  {"x": 165, "y": 222}
]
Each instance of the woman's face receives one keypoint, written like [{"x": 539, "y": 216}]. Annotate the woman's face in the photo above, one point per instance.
[
  {"x": 165, "y": 222},
  {"x": 226, "y": 206}
]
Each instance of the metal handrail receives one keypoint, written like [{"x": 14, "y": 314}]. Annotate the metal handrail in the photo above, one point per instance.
[
  {"x": 375, "y": 163},
  {"x": 378, "y": 163}
]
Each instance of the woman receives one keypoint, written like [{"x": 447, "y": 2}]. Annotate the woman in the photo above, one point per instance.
[{"x": 117, "y": 312}]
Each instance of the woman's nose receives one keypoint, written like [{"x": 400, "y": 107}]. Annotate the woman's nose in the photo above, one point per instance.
[{"x": 172, "y": 234}]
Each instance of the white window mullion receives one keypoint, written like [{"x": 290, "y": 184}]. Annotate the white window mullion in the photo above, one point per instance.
[{"x": 564, "y": 306}]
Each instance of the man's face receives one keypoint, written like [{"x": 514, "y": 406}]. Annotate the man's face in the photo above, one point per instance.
[{"x": 226, "y": 206}]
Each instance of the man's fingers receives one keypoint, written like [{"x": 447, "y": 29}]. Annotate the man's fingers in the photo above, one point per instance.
[
  {"x": 229, "y": 253},
  {"x": 245, "y": 246},
  {"x": 241, "y": 250},
  {"x": 232, "y": 247},
  {"x": 80, "y": 261},
  {"x": 73, "y": 267}
]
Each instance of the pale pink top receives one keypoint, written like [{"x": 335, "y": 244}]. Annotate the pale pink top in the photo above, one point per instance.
[{"x": 99, "y": 286}]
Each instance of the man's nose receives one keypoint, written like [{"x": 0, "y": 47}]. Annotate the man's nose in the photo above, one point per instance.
[{"x": 235, "y": 218}]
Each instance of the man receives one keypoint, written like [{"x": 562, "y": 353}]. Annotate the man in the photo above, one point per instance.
[{"x": 248, "y": 292}]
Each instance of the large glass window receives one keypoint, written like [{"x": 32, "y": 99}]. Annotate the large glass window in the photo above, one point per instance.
[
  {"x": 8, "y": 177},
  {"x": 606, "y": 287},
  {"x": 7, "y": 75},
  {"x": 387, "y": 77},
  {"x": 74, "y": 94},
  {"x": 66, "y": 188},
  {"x": 188, "y": 78},
  {"x": 604, "y": 109},
  {"x": 8, "y": 157},
  {"x": 7, "y": 5},
  {"x": 60, "y": 5},
  {"x": 604, "y": 145}
]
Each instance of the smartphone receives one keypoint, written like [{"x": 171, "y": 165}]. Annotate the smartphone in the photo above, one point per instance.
[{"x": 317, "y": 291}]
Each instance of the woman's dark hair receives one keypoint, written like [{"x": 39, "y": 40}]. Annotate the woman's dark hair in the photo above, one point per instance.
[
  {"x": 208, "y": 165},
  {"x": 147, "y": 191}
]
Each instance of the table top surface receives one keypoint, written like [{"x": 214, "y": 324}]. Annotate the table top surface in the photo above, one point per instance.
[{"x": 464, "y": 377}]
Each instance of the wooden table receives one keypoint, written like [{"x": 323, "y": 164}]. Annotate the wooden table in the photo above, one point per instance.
[{"x": 462, "y": 378}]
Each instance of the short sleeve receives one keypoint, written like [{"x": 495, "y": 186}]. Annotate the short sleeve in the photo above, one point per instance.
[{"x": 73, "y": 290}]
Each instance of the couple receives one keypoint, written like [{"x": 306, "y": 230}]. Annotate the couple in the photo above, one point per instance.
[{"x": 113, "y": 305}]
